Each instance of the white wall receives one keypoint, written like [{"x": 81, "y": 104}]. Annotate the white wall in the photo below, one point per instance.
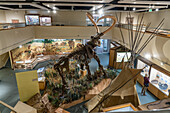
[
  {"x": 64, "y": 17},
  {"x": 68, "y": 32},
  {"x": 158, "y": 47},
  {"x": 156, "y": 16},
  {"x": 15, "y": 15},
  {"x": 2, "y": 17}
]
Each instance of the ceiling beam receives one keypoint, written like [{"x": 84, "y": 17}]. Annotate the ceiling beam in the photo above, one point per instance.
[
  {"x": 146, "y": 2},
  {"x": 5, "y": 8},
  {"x": 39, "y": 6}
]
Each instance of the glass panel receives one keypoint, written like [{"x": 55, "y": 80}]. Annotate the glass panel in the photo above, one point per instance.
[{"x": 160, "y": 80}]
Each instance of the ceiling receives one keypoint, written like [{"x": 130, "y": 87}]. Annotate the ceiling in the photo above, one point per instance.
[{"x": 85, "y": 5}]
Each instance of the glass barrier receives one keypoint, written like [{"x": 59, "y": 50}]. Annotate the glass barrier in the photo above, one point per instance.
[{"x": 11, "y": 25}]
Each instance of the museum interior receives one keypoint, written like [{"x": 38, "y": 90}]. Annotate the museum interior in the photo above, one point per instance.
[{"x": 84, "y": 56}]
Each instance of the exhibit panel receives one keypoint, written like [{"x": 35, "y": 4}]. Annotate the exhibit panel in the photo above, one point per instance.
[
  {"x": 32, "y": 19},
  {"x": 45, "y": 21},
  {"x": 160, "y": 81},
  {"x": 123, "y": 55}
]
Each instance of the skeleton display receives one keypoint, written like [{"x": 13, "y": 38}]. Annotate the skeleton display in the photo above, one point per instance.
[{"x": 85, "y": 53}]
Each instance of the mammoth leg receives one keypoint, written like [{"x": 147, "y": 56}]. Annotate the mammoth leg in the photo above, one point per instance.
[
  {"x": 88, "y": 70},
  {"x": 98, "y": 61},
  {"x": 62, "y": 76}
]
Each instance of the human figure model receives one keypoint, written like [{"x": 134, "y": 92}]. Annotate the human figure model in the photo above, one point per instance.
[{"x": 145, "y": 85}]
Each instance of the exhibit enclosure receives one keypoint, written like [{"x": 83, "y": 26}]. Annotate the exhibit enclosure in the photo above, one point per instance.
[
  {"x": 160, "y": 80},
  {"x": 28, "y": 55},
  {"x": 32, "y": 20}
]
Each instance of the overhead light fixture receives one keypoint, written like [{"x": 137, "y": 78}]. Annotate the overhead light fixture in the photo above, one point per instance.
[
  {"x": 157, "y": 10},
  {"x": 134, "y": 2},
  {"x": 162, "y": 63},
  {"x": 48, "y": 11},
  {"x": 48, "y": 5},
  {"x": 134, "y": 9},
  {"x": 54, "y": 8},
  {"x": 54, "y": 11},
  {"x": 20, "y": 6},
  {"x": 125, "y": 8}
]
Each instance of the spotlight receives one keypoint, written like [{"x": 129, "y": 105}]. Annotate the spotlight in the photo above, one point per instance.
[
  {"x": 134, "y": 9},
  {"x": 157, "y": 10},
  {"x": 54, "y": 8}
]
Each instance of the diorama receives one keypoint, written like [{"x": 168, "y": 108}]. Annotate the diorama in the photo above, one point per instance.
[
  {"x": 28, "y": 55},
  {"x": 70, "y": 81}
]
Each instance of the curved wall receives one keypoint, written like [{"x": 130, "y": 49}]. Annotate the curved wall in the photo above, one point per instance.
[{"x": 158, "y": 48}]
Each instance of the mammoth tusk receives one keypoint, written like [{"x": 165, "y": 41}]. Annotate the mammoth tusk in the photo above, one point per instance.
[
  {"x": 113, "y": 18},
  {"x": 91, "y": 19}
]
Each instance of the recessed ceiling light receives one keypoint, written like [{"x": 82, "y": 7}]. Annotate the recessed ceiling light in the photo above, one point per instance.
[
  {"x": 134, "y": 9},
  {"x": 54, "y": 8},
  {"x": 157, "y": 10},
  {"x": 48, "y": 11}
]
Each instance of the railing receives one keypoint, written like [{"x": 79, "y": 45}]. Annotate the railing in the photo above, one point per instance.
[
  {"x": 11, "y": 25},
  {"x": 8, "y": 106}
]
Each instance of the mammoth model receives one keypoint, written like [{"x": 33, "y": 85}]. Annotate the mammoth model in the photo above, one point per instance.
[{"x": 84, "y": 54}]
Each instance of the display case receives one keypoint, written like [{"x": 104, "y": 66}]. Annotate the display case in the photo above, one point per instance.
[
  {"x": 141, "y": 65},
  {"x": 28, "y": 55},
  {"x": 160, "y": 81}
]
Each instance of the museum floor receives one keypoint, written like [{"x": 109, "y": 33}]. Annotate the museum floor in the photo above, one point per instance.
[{"x": 9, "y": 92}]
